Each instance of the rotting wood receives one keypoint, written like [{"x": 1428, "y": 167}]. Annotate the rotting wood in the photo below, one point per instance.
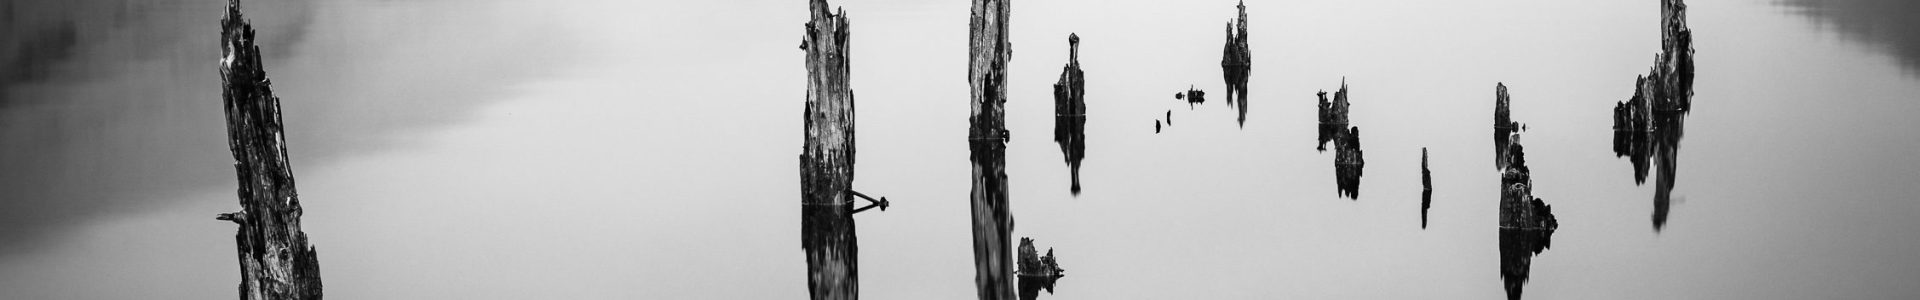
[
  {"x": 1070, "y": 111},
  {"x": 1236, "y": 62},
  {"x": 987, "y": 138},
  {"x": 276, "y": 261},
  {"x": 827, "y": 160},
  {"x": 1526, "y": 222},
  {"x": 1348, "y": 161},
  {"x": 1649, "y": 125}
]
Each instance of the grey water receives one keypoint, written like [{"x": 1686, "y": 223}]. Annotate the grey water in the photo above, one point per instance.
[{"x": 506, "y": 149}]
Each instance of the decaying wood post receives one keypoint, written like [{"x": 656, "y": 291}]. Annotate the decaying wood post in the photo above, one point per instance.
[
  {"x": 1426, "y": 188},
  {"x": 1070, "y": 111},
  {"x": 1649, "y": 125},
  {"x": 1526, "y": 222},
  {"x": 1037, "y": 272},
  {"x": 1236, "y": 62},
  {"x": 826, "y": 160},
  {"x": 276, "y": 262},
  {"x": 1348, "y": 161},
  {"x": 987, "y": 139}
]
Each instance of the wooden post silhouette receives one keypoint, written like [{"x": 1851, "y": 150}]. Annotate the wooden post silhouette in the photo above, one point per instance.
[
  {"x": 275, "y": 260},
  {"x": 987, "y": 138},
  {"x": 826, "y": 161}
]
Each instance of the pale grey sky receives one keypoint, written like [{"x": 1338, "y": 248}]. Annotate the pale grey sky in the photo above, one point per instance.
[{"x": 618, "y": 149}]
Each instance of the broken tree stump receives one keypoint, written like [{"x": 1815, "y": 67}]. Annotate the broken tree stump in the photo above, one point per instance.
[
  {"x": 1037, "y": 272},
  {"x": 1236, "y": 62},
  {"x": 987, "y": 138},
  {"x": 826, "y": 160},
  {"x": 1526, "y": 222},
  {"x": 276, "y": 262},
  {"x": 1649, "y": 125},
  {"x": 1347, "y": 157}
]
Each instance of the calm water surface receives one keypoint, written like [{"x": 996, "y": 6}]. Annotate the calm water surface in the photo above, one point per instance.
[{"x": 617, "y": 149}]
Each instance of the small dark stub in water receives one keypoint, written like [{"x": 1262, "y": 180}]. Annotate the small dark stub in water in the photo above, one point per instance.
[
  {"x": 1193, "y": 96},
  {"x": 1037, "y": 272},
  {"x": 1426, "y": 190}
]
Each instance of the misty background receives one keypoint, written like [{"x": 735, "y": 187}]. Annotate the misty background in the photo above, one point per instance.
[{"x": 599, "y": 149}]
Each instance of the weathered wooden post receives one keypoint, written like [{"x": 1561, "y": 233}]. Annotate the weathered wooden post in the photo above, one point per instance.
[
  {"x": 1426, "y": 188},
  {"x": 1070, "y": 111},
  {"x": 1649, "y": 125},
  {"x": 987, "y": 139},
  {"x": 1236, "y": 62},
  {"x": 826, "y": 160},
  {"x": 275, "y": 260},
  {"x": 1526, "y": 222}
]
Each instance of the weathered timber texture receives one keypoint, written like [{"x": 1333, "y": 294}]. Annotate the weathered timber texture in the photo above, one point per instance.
[
  {"x": 1037, "y": 272},
  {"x": 1236, "y": 62},
  {"x": 1347, "y": 158},
  {"x": 826, "y": 160},
  {"x": 987, "y": 138},
  {"x": 1649, "y": 125},
  {"x": 1503, "y": 126},
  {"x": 1526, "y": 222},
  {"x": 1426, "y": 188},
  {"x": 1070, "y": 111},
  {"x": 276, "y": 262}
]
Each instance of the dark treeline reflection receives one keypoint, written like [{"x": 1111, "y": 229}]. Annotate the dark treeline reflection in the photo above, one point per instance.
[
  {"x": 1885, "y": 23},
  {"x": 1037, "y": 272},
  {"x": 1347, "y": 161},
  {"x": 1526, "y": 222},
  {"x": 1070, "y": 111},
  {"x": 1649, "y": 125},
  {"x": 1236, "y": 62}
]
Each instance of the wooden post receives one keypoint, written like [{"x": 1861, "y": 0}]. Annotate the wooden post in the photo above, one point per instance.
[
  {"x": 276, "y": 262},
  {"x": 1070, "y": 111},
  {"x": 987, "y": 139},
  {"x": 1236, "y": 62},
  {"x": 826, "y": 161},
  {"x": 1526, "y": 222},
  {"x": 1426, "y": 188}
]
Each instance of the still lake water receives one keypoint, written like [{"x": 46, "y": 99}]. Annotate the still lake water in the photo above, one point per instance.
[{"x": 618, "y": 149}]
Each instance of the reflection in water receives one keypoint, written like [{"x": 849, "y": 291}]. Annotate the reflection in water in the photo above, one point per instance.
[
  {"x": 1193, "y": 96},
  {"x": 826, "y": 161},
  {"x": 276, "y": 262},
  {"x": 1885, "y": 23},
  {"x": 1426, "y": 188},
  {"x": 1070, "y": 111},
  {"x": 1347, "y": 161},
  {"x": 1503, "y": 126},
  {"x": 1037, "y": 272},
  {"x": 1649, "y": 125},
  {"x": 1526, "y": 223},
  {"x": 1236, "y": 62},
  {"x": 987, "y": 141}
]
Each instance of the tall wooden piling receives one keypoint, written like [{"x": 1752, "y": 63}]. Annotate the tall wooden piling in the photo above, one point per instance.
[
  {"x": 987, "y": 139},
  {"x": 276, "y": 262},
  {"x": 826, "y": 160}
]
